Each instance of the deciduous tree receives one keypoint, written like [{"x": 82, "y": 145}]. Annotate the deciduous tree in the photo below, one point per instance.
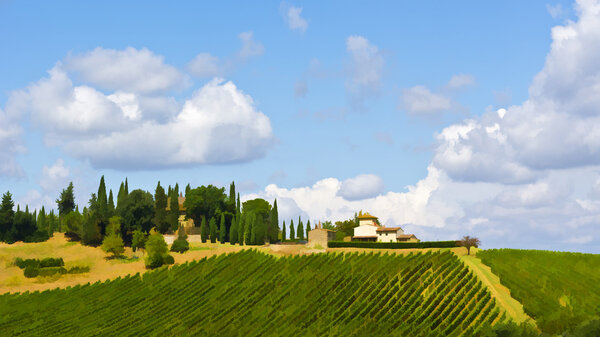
[{"x": 469, "y": 242}]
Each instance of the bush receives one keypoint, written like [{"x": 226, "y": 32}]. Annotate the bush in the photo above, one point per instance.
[
  {"x": 156, "y": 247},
  {"x": 392, "y": 245},
  {"x": 49, "y": 271},
  {"x": 180, "y": 246},
  {"x": 168, "y": 259},
  {"x": 52, "y": 262},
  {"x": 78, "y": 270},
  {"x": 24, "y": 263},
  {"x": 31, "y": 271}
]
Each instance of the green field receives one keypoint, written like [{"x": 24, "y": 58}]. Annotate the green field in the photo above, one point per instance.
[
  {"x": 559, "y": 290},
  {"x": 255, "y": 294}
]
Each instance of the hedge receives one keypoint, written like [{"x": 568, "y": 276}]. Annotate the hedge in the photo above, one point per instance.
[
  {"x": 46, "y": 262},
  {"x": 392, "y": 245}
]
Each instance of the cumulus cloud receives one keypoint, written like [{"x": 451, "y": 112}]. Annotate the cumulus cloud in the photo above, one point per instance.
[
  {"x": 10, "y": 143},
  {"x": 127, "y": 130},
  {"x": 205, "y": 65},
  {"x": 460, "y": 81},
  {"x": 365, "y": 69},
  {"x": 134, "y": 70},
  {"x": 418, "y": 100},
  {"x": 55, "y": 176},
  {"x": 294, "y": 19},
  {"x": 361, "y": 187},
  {"x": 250, "y": 47}
]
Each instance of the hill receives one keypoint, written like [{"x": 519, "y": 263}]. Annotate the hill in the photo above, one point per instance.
[
  {"x": 250, "y": 293},
  {"x": 559, "y": 290}
]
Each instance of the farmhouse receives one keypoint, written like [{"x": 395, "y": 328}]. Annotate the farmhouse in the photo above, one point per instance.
[
  {"x": 369, "y": 229},
  {"x": 188, "y": 224},
  {"x": 320, "y": 236}
]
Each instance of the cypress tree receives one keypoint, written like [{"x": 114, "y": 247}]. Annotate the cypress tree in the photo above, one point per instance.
[
  {"x": 273, "y": 228},
  {"x": 223, "y": 229},
  {"x": 241, "y": 227},
  {"x": 176, "y": 189},
  {"x": 6, "y": 216},
  {"x": 300, "y": 230},
  {"x": 248, "y": 229},
  {"x": 102, "y": 198},
  {"x": 160, "y": 210},
  {"x": 239, "y": 205},
  {"x": 126, "y": 190},
  {"x": 307, "y": 228},
  {"x": 232, "y": 195},
  {"x": 292, "y": 233},
  {"x": 213, "y": 230},
  {"x": 255, "y": 233},
  {"x": 233, "y": 235},
  {"x": 41, "y": 220},
  {"x": 173, "y": 214},
  {"x": 283, "y": 231},
  {"x": 204, "y": 231},
  {"x": 121, "y": 195},
  {"x": 188, "y": 188},
  {"x": 111, "y": 202}
]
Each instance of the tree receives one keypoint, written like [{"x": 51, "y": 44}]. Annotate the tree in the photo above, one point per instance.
[
  {"x": 292, "y": 233},
  {"x": 188, "y": 188},
  {"x": 231, "y": 198},
  {"x": 346, "y": 228},
  {"x": 241, "y": 228},
  {"x": 300, "y": 230},
  {"x": 113, "y": 243},
  {"x": 160, "y": 210},
  {"x": 204, "y": 230},
  {"x": 156, "y": 249},
  {"x": 90, "y": 229},
  {"x": 222, "y": 229},
  {"x": 173, "y": 213},
  {"x": 307, "y": 228},
  {"x": 111, "y": 203},
  {"x": 72, "y": 225},
  {"x": 138, "y": 240},
  {"x": 283, "y": 231},
  {"x": 273, "y": 228},
  {"x": 213, "y": 230},
  {"x": 328, "y": 225},
  {"x": 248, "y": 228},
  {"x": 233, "y": 231},
  {"x": 66, "y": 201},
  {"x": 137, "y": 212},
  {"x": 180, "y": 245},
  {"x": 24, "y": 227},
  {"x": 205, "y": 201},
  {"x": 469, "y": 242},
  {"x": 6, "y": 215}
]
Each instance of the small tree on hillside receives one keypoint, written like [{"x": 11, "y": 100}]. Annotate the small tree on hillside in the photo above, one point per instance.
[
  {"x": 292, "y": 232},
  {"x": 180, "y": 245},
  {"x": 469, "y": 242},
  {"x": 213, "y": 230},
  {"x": 307, "y": 228},
  {"x": 113, "y": 243},
  {"x": 204, "y": 230},
  {"x": 222, "y": 229},
  {"x": 156, "y": 247},
  {"x": 139, "y": 240}
]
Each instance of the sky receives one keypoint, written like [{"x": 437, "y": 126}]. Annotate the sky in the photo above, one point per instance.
[{"x": 445, "y": 118}]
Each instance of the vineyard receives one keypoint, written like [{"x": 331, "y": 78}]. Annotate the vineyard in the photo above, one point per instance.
[
  {"x": 254, "y": 294},
  {"x": 559, "y": 290}
]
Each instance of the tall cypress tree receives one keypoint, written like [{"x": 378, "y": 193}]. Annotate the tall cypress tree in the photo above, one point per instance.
[
  {"x": 160, "y": 210},
  {"x": 222, "y": 230},
  {"x": 232, "y": 195},
  {"x": 292, "y": 232},
  {"x": 126, "y": 190},
  {"x": 213, "y": 230},
  {"x": 121, "y": 195},
  {"x": 239, "y": 205},
  {"x": 283, "y": 231},
  {"x": 248, "y": 229},
  {"x": 188, "y": 188},
  {"x": 307, "y": 228},
  {"x": 233, "y": 235},
  {"x": 204, "y": 230},
  {"x": 173, "y": 214},
  {"x": 300, "y": 230},
  {"x": 255, "y": 232},
  {"x": 41, "y": 220},
  {"x": 241, "y": 227},
  {"x": 102, "y": 197},
  {"x": 101, "y": 206},
  {"x": 111, "y": 203},
  {"x": 273, "y": 228}
]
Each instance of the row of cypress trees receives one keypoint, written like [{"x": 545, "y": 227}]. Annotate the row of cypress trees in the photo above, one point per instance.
[{"x": 300, "y": 232}]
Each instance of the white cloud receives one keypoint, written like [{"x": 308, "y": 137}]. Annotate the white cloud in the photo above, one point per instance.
[
  {"x": 10, "y": 143},
  {"x": 555, "y": 11},
  {"x": 133, "y": 70},
  {"x": 418, "y": 100},
  {"x": 205, "y": 65},
  {"x": 361, "y": 187},
  {"x": 294, "y": 19},
  {"x": 54, "y": 177},
  {"x": 366, "y": 67},
  {"x": 250, "y": 47},
  {"x": 460, "y": 81}
]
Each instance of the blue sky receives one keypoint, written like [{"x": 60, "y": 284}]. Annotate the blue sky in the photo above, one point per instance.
[{"x": 449, "y": 119}]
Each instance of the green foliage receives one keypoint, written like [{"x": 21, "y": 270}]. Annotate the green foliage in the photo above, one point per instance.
[
  {"x": 204, "y": 230},
  {"x": 292, "y": 232},
  {"x": 78, "y": 270},
  {"x": 73, "y": 225},
  {"x": 173, "y": 213},
  {"x": 341, "y": 295},
  {"x": 300, "y": 230},
  {"x": 138, "y": 240},
  {"x": 51, "y": 262},
  {"x": 180, "y": 245},
  {"x": 328, "y": 225},
  {"x": 137, "y": 212},
  {"x": 307, "y": 229},
  {"x": 222, "y": 230},
  {"x": 160, "y": 219},
  {"x": 66, "y": 201},
  {"x": 249, "y": 223},
  {"x": 213, "y": 230},
  {"x": 559, "y": 290},
  {"x": 6, "y": 217},
  {"x": 273, "y": 229},
  {"x": 52, "y": 271},
  {"x": 31, "y": 271},
  {"x": 156, "y": 248},
  {"x": 205, "y": 201},
  {"x": 283, "y": 233},
  {"x": 233, "y": 231},
  {"x": 346, "y": 227},
  {"x": 241, "y": 228},
  {"x": 392, "y": 245},
  {"x": 113, "y": 244},
  {"x": 509, "y": 329}
]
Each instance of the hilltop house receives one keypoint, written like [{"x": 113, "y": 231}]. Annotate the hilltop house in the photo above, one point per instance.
[
  {"x": 319, "y": 236},
  {"x": 369, "y": 229},
  {"x": 188, "y": 224}
]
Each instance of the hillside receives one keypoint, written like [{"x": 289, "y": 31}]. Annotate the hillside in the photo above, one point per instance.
[
  {"x": 254, "y": 294},
  {"x": 559, "y": 290}
]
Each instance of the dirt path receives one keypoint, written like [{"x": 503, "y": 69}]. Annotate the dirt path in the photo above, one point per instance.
[{"x": 514, "y": 308}]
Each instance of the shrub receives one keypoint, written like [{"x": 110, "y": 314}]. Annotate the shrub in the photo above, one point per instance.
[
  {"x": 156, "y": 247},
  {"x": 392, "y": 245},
  {"x": 168, "y": 259},
  {"x": 78, "y": 270},
  {"x": 180, "y": 246},
  {"x": 24, "y": 263},
  {"x": 52, "y": 262},
  {"x": 31, "y": 271},
  {"x": 49, "y": 271}
]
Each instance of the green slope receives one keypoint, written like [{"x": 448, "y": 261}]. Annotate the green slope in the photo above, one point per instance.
[
  {"x": 559, "y": 290},
  {"x": 254, "y": 294}
]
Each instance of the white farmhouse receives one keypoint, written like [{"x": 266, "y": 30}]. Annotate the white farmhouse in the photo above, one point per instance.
[{"x": 369, "y": 230}]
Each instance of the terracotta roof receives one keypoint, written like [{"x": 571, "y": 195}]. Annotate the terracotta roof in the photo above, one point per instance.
[
  {"x": 406, "y": 236},
  {"x": 366, "y": 215},
  {"x": 388, "y": 229}
]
